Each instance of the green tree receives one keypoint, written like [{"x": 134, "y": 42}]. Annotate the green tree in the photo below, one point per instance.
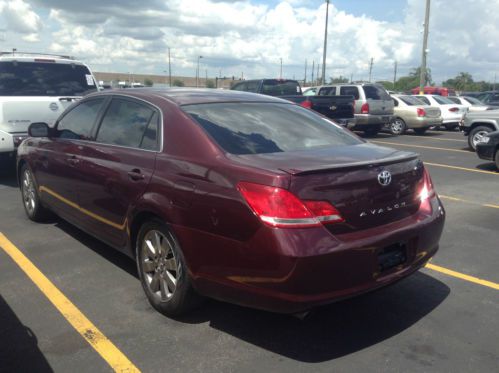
[
  {"x": 148, "y": 82},
  {"x": 406, "y": 83},
  {"x": 386, "y": 84},
  {"x": 340, "y": 79},
  {"x": 178, "y": 83}
]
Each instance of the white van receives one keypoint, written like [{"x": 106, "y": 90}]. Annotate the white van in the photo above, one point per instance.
[{"x": 37, "y": 88}]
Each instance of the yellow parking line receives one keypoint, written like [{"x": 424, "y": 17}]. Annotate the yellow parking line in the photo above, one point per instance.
[
  {"x": 461, "y": 168},
  {"x": 470, "y": 202},
  {"x": 422, "y": 146},
  {"x": 104, "y": 347},
  {"x": 462, "y": 276}
]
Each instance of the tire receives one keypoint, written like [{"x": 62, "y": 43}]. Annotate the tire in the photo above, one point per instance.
[
  {"x": 420, "y": 131},
  {"x": 31, "y": 199},
  {"x": 496, "y": 158},
  {"x": 476, "y": 134},
  {"x": 162, "y": 270},
  {"x": 371, "y": 132},
  {"x": 397, "y": 127}
]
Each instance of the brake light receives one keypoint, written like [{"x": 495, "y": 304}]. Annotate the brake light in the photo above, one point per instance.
[
  {"x": 454, "y": 109},
  {"x": 364, "y": 109},
  {"x": 421, "y": 112},
  {"x": 306, "y": 104},
  {"x": 280, "y": 208},
  {"x": 426, "y": 193},
  {"x": 43, "y": 60}
]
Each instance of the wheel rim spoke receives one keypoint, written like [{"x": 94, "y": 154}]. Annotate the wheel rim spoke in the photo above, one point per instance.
[
  {"x": 148, "y": 266},
  {"x": 150, "y": 251},
  {"x": 171, "y": 264},
  {"x": 165, "y": 294},
  {"x": 154, "y": 285},
  {"x": 171, "y": 281}
]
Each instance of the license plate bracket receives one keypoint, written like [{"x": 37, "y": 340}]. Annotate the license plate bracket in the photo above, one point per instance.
[{"x": 392, "y": 256}]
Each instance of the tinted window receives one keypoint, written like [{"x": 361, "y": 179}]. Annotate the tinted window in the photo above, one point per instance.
[
  {"x": 150, "y": 137},
  {"x": 374, "y": 92},
  {"x": 239, "y": 87},
  {"x": 78, "y": 123},
  {"x": 424, "y": 99},
  {"x": 124, "y": 123},
  {"x": 411, "y": 100},
  {"x": 395, "y": 102},
  {"x": 350, "y": 91},
  {"x": 442, "y": 100},
  {"x": 455, "y": 100},
  {"x": 473, "y": 100},
  {"x": 44, "y": 79},
  {"x": 327, "y": 91},
  {"x": 274, "y": 87},
  {"x": 249, "y": 128},
  {"x": 252, "y": 87}
]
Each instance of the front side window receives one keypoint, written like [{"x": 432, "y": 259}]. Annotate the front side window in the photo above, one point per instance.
[
  {"x": 327, "y": 91},
  {"x": 125, "y": 123},
  {"x": 249, "y": 128},
  {"x": 77, "y": 124},
  {"x": 44, "y": 79},
  {"x": 275, "y": 87},
  {"x": 239, "y": 87}
]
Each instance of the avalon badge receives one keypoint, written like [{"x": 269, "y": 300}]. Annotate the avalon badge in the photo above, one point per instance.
[{"x": 384, "y": 178}]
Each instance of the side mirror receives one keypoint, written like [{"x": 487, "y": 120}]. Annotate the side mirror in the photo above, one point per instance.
[{"x": 38, "y": 129}]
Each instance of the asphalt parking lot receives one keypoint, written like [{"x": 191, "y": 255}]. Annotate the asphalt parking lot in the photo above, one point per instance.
[{"x": 444, "y": 318}]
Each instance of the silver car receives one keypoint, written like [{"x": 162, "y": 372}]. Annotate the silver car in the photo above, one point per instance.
[{"x": 411, "y": 113}]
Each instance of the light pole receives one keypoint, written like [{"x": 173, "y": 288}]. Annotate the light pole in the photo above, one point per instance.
[
  {"x": 197, "y": 72},
  {"x": 280, "y": 74},
  {"x": 422, "y": 73},
  {"x": 169, "y": 68},
  {"x": 325, "y": 46}
]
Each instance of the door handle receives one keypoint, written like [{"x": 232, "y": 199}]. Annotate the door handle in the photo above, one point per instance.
[
  {"x": 136, "y": 175},
  {"x": 73, "y": 161}
]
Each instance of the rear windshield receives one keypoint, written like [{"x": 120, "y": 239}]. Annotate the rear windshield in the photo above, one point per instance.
[
  {"x": 255, "y": 128},
  {"x": 443, "y": 100},
  {"x": 411, "y": 100},
  {"x": 44, "y": 79},
  {"x": 274, "y": 87},
  {"x": 375, "y": 93}
]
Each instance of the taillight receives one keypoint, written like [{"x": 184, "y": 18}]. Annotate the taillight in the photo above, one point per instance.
[
  {"x": 364, "y": 109},
  {"x": 280, "y": 208},
  {"x": 306, "y": 104},
  {"x": 426, "y": 193},
  {"x": 421, "y": 112},
  {"x": 454, "y": 109}
]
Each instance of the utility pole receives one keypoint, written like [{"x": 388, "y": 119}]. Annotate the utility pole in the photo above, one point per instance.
[
  {"x": 351, "y": 78},
  {"x": 325, "y": 46},
  {"x": 371, "y": 68},
  {"x": 422, "y": 75},
  {"x": 305, "y": 79},
  {"x": 317, "y": 75},
  {"x": 394, "y": 74},
  {"x": 313, "y": 70},
  {"x": 494, "y": 86},
  {"x": 169, "y": 68},
  {"x": 280, "y": 74}
]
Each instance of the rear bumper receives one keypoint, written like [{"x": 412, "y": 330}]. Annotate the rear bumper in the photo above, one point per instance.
[
  {"x": 290, "y": 271},
  {"x": 371, "y": 120},
  {"x": 346, "y": 122},
  {"x": 422, "y": 122}
]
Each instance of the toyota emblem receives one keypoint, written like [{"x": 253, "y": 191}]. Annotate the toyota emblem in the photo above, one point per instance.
[{"x": 384, "y": 178}]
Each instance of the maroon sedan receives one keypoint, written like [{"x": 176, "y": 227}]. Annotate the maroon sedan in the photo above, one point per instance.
[{"x": 236, "y": 196}]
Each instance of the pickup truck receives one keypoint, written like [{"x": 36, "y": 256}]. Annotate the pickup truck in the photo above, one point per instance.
[{"x": 338, "y": 108}]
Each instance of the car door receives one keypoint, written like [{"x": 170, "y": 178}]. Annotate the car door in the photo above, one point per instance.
[
  {"x": 118, "y": 166},
  {"x": 57, "y": 164}
]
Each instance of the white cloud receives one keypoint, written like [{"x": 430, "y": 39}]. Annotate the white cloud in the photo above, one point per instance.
[{"x": 20, "y": 18}]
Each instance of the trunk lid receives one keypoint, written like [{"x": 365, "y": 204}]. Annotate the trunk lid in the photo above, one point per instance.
[
  {"x": 432, "y": 112},
  {"x": 18, "y": 112},
  {"x": 347, "y": 177}
]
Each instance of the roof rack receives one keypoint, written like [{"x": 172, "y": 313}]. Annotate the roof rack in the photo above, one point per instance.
[{"x": 21, "y": 54}]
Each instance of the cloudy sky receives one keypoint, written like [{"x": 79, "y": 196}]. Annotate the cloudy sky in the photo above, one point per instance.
[{"x": 251, "y": 36}]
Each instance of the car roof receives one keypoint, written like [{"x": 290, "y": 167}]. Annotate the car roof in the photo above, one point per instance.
[
  {"x": 37, "y": 57},
  {"x": 189, "y": 96}
]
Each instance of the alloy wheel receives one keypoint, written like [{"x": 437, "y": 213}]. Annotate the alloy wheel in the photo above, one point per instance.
[
  {"x": 477, "y": 137},
  {"x": 159, "y": 265},
  {"x": 29, "y": 192}
]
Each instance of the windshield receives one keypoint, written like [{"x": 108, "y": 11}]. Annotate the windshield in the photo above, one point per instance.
[
  {"x": 443, "y": 100},
  {"x": 254, "y": 128},
  {"x": 274, "y": 87},
  {"x": 411, "y": 100},
  {"x": 44, "y": 79}
]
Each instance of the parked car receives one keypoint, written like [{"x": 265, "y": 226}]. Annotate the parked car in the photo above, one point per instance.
[
  {"x": 477, "y": 124},
  {"x": 431, "y": 90},
  {"x": 37, "y": 87},
  {"x": 373, "y": 104},
  {"x": 452, "y": 113},
  {"x": 245, "y": 198},
  {"x": 488, "y": 147},
  {"x": 472, "y": 103},
  {"x": 411, "y": 113},
  {"x": 489, "y": 98},
  {"x": 338, "y": 108}
]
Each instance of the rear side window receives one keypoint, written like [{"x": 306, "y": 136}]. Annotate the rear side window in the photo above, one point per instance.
[
  {"x": 374, "y": 92},
  {"x": 44, "y": 79},
  {"x": 252, "y": 87},
  {"x": 327, "y": 91},
  {"x": 274, "y": 87},
  {"x": 411, "y": 100},
  {"x": 125, "y": 123},
  {"x": 249, "y": 128},
  {"x": 350, "y": 91},
  {"x": 455, "y": 100},
  {"x": 424, "y": 99},
  {"x": 442, "y": 100},
  {"x": 77, "y": 124}
]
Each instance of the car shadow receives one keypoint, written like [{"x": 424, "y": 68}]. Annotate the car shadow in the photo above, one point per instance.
[
  {"x": 332, "y": 331},
  {"x": 488, "y": 166},
  {"x": 8, "y": 172},
  {"x": 327, "y": 333},
  {"x": 19, "y": 350}
]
